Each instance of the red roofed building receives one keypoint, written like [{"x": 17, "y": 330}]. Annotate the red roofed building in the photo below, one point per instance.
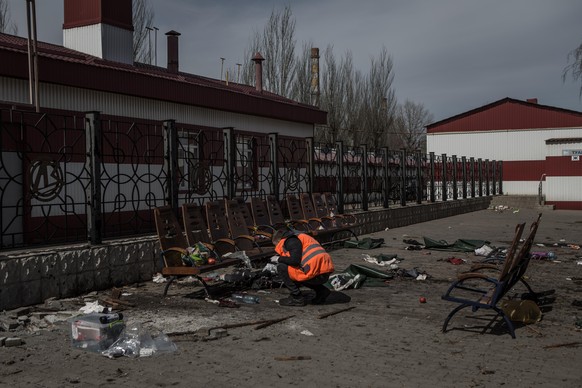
[
  {"x": 94, "y": 71},
  {"x": 540, "y": 146}
]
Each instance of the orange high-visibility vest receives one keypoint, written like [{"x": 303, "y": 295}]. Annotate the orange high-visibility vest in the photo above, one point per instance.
[{"x": 314, "y": 259}]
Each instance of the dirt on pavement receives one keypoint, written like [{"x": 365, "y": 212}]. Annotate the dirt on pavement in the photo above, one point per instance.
[{"x": 387, "y": 337}]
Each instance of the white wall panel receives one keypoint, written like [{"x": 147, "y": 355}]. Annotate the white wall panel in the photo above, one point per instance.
[
  {"x": 85, "y": 39},
  {"x": 498, "y": 145},
  {"x": 101, "y": 40},
  {"x": 563, "y": 188},
  {"x": 520, "y": 187},
  {"x": 67, "y": 98}
]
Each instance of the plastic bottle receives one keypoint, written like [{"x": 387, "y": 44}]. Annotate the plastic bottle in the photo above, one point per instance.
[
  {"x": 244, "y": 298},
  {"x": 551, "y": 256}
]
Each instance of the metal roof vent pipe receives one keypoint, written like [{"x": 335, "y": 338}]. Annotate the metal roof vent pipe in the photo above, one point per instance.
[
  {"x": 258, "y": 59},
  {"x": 173, "y": 51}
]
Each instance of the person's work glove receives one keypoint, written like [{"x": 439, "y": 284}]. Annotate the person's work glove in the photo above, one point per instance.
[{"x": 275, "y": 259}]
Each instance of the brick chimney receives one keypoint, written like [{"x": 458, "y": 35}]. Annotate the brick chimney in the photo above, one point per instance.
[
  {"x": 102, "y": 28},
  {"x": 532, "y": 100},
  {"x": 258, "y": 59},
  {"x": 173, "y": 51}
]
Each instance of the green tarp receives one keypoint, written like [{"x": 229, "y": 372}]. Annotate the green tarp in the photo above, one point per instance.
[
  {"x": 461, "y": 245},
  {"x": 365, "y": 243}
]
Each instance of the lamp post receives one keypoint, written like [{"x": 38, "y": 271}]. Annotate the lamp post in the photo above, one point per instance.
[
  {"x": 149, "y": 43},
  {"x": 156, "y": 44},
  {"x": 32, "y": 54}
]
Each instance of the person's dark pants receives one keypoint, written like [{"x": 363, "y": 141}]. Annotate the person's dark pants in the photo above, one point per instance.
[{"x": 316, "y": 283}]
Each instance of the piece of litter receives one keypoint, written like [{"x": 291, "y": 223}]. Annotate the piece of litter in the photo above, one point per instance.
[
  {"x": 579, "y": 262},
  {"x": 91, "y": 307},
  {"x": 159, "y": 278},
  {"x": 421, "y": 277},
  {"x": 307, "y": 333}
]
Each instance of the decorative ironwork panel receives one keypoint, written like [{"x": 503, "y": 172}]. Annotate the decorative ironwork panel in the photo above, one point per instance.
[
  {"x": 132, "y": 176},
  {"x": 253, "y": 165},
  {"x": 201, "y": 164},
  {"x": 410, "y": 175},
  {"x": 376, "y": 172},
  {"x": 438, "y": 177},
  {"x": 353, "y": 159},
  {"x": 394, "y": 176},
  {"x": 292, "y": 161},
  {"x": 425, "y": 177},
  {"x": 43, "y": 179},
  {"x": 326, "y": 168}
]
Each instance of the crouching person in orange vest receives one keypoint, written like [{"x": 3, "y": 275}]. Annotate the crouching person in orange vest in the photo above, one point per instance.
[{"x": 302, "y": 261}]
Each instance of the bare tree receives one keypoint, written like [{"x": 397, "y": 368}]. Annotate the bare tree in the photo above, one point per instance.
[
  {"x": 574, "y": 68},
  {"x": 410, "y": 124},
  {"x": 301, "y": 88},
  {"x": 143, "y": 16},
  {"x": 380, "y": 101},
  {"x": 277, "y": 45},
  {"x": 360, "y": 107},
  {"x": 6, "y": 26}
]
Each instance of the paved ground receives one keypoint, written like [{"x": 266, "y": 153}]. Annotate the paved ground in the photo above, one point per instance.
[{"x": 387, "y": 339}]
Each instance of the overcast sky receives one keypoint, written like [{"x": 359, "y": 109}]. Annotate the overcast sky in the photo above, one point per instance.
[{"x": 449, "y": 55}]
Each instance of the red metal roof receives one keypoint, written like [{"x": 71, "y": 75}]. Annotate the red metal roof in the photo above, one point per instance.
[
  {"x": 508, "y": 113},
  {"x": 63, "y": 66}
]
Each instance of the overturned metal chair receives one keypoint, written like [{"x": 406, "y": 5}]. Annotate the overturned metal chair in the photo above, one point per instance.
[{"x": 480, "y": 291}]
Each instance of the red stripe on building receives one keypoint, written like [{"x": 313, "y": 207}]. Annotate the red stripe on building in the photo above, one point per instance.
[
  {"x": 566, "y": 205},
  {"x": 563, "y": 166},
  {"x": 524, "y": 170}
]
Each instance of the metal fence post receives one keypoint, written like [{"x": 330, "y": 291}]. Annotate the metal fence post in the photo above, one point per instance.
[
  {"x": 444, "y": 176},
  {"x": 419, "y": 180},
  {"x": 364, "y": 177},
  {"x": 386, "y": 188},
  {"x": 464, "y": 172},
  {"x": 403, "y": 177},
  {"x": 480, "y": 167},
  {"x": 340, "y": 176},
  {"x": 494, "y": 177},
  {"x": 432, "y": 171},
  {"x": 487, "y": 177},
  {"x": 310, "y": 163},
  {"x": 230, "y": 161},
  {"x": 273, "y": 145},
  {"x": 171, "y": 163},
  {"x": 94, "y": 141},
  {"x": 472, "y": 162},
  {"x": 455, "y": 188},
  {"x": 500, "y": 178}
]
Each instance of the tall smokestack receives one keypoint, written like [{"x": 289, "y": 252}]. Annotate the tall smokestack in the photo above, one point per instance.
[
  {"x": 258, "y": 59},
  {"x": 314, "y": 90},
  {"x": 173, "y": 51}
]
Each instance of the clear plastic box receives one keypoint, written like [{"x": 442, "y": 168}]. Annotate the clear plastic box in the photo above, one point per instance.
[{"x": 96, "y": 332}]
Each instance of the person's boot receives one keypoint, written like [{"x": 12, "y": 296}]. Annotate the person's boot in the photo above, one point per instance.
[
  {"x": 321, "y": 295},
  {"x": 293, "y": 300}
]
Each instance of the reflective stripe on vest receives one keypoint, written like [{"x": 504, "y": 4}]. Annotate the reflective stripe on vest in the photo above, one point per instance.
[{"x": 310, "y": 252}]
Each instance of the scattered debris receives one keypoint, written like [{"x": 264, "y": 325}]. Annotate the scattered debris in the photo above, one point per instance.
[
  {"x": 567, "y": 344},
  {"x": 292, "y": 358},
  {"x": 307, "y": 333},
  {"x": 323, "y": 316}
]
